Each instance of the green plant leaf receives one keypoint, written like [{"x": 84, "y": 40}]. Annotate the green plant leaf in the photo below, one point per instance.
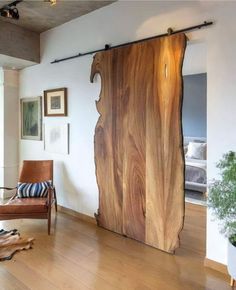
[{"x": 222, "y": 195}]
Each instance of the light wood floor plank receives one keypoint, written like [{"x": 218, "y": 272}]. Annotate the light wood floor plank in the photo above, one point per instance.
[
  {"x": 28, "y": 276},
  {"x": 9, "y": 282}
]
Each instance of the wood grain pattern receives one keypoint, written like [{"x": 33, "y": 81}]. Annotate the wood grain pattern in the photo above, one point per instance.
[
  {"x": 138, "y": 141},
  {"x": 164, "y": 174},
  {"x": 134, "y": 124},
  {"x": 108, "y": 147}
]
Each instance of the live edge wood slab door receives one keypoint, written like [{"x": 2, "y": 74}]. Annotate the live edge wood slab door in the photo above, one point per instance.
[{"x": 138, "y": 141}]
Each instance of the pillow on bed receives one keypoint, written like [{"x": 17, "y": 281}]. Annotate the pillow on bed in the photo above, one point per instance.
[
  {"x": 196, "y": 150},
  {"x": 185, "y": 149}
]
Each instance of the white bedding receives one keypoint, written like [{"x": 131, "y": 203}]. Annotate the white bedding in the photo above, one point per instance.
[
  {"x": 195, "y": 170},
  {"x": 196, "y": 163}
]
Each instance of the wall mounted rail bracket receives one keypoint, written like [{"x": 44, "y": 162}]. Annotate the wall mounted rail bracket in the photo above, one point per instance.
[{"x": 170, "y": 31}]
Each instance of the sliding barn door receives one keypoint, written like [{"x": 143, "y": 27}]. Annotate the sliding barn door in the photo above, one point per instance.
[{"x": 138, "y": 141}]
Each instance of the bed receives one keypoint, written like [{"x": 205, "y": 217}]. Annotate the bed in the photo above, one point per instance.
[{"x": 195, "y": 168}]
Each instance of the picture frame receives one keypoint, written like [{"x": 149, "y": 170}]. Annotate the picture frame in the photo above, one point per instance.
[
  {"x": 56, "y": 138},
  {"x": 31, "y": 118},
  {"x": 55, "y": 102}
]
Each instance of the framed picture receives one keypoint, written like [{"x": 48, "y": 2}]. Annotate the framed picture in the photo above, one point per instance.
[
  {"x": 56, "y": 138},
  {"x": 55, "y": 102},
  {"x": 31, "y": 118}
]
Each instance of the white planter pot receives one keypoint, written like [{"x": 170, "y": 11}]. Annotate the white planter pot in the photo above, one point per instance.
[{"x": 232, "y": 260}]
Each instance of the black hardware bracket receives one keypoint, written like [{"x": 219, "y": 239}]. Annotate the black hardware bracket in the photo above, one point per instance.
[{"x": 170, "y": 31}]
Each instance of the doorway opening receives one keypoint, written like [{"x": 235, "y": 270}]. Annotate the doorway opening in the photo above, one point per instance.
[{"x": 194, "y": 122}]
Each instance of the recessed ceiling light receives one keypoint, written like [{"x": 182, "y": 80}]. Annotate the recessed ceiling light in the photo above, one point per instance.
[{"x": 10, "y": 10}]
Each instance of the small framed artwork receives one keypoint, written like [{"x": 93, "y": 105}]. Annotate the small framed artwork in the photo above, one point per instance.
[
  {"x": 56, "y": 138},
  {"x": 55, "y": 102},
  {"x": 31, "y": 118}
]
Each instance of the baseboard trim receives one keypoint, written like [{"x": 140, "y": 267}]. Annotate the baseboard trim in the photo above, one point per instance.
[
  {"x": 76, "y": 214},
  {"x": 216, "y": 266}
]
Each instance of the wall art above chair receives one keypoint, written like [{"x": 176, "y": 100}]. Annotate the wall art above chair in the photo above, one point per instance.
[
  {"x": 55, "y": 102},
  {"x": 31, "y": 118},
  {"x": 56, "y": 138}
]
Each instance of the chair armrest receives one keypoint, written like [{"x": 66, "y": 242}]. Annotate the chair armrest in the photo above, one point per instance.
[{"x": 8, "y": 188}]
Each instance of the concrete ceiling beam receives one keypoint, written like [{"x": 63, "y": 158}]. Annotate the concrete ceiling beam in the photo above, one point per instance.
[{"x": 18, "y": 42}]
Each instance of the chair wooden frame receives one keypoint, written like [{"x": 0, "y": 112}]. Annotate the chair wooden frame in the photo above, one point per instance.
[{"x": 29, "y": 175}]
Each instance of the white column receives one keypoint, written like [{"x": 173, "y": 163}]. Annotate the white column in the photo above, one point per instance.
[
  {"x": 1, "y": 130},
  {"x": 9, "y": 129}
]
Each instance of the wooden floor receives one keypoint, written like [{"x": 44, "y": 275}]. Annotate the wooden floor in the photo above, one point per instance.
[
  {"x": 193, "y": 235},
  {"x": 79, "y": 255}
]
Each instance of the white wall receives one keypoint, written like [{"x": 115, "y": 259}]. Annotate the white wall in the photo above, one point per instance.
[
  {"x": 194, "y": 105},
  {"x": 117, "y": 23},
  {"x": 195, "y": 59}
]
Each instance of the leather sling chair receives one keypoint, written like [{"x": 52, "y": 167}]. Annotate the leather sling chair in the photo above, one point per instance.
[{"x": 32, "y": 207}]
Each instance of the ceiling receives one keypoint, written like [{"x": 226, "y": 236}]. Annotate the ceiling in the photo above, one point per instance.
[{"x": 39, "y": 16}]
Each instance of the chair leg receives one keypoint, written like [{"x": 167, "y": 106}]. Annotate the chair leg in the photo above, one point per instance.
[
  {"x": 55, "y": 196},
  {"x": 49, "y": 225}
]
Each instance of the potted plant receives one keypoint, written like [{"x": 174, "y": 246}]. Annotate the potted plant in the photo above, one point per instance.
[{"x": 222, "y": 200}]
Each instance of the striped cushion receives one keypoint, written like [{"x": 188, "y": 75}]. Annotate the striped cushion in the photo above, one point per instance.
[{"x": 39, "y": 189}]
